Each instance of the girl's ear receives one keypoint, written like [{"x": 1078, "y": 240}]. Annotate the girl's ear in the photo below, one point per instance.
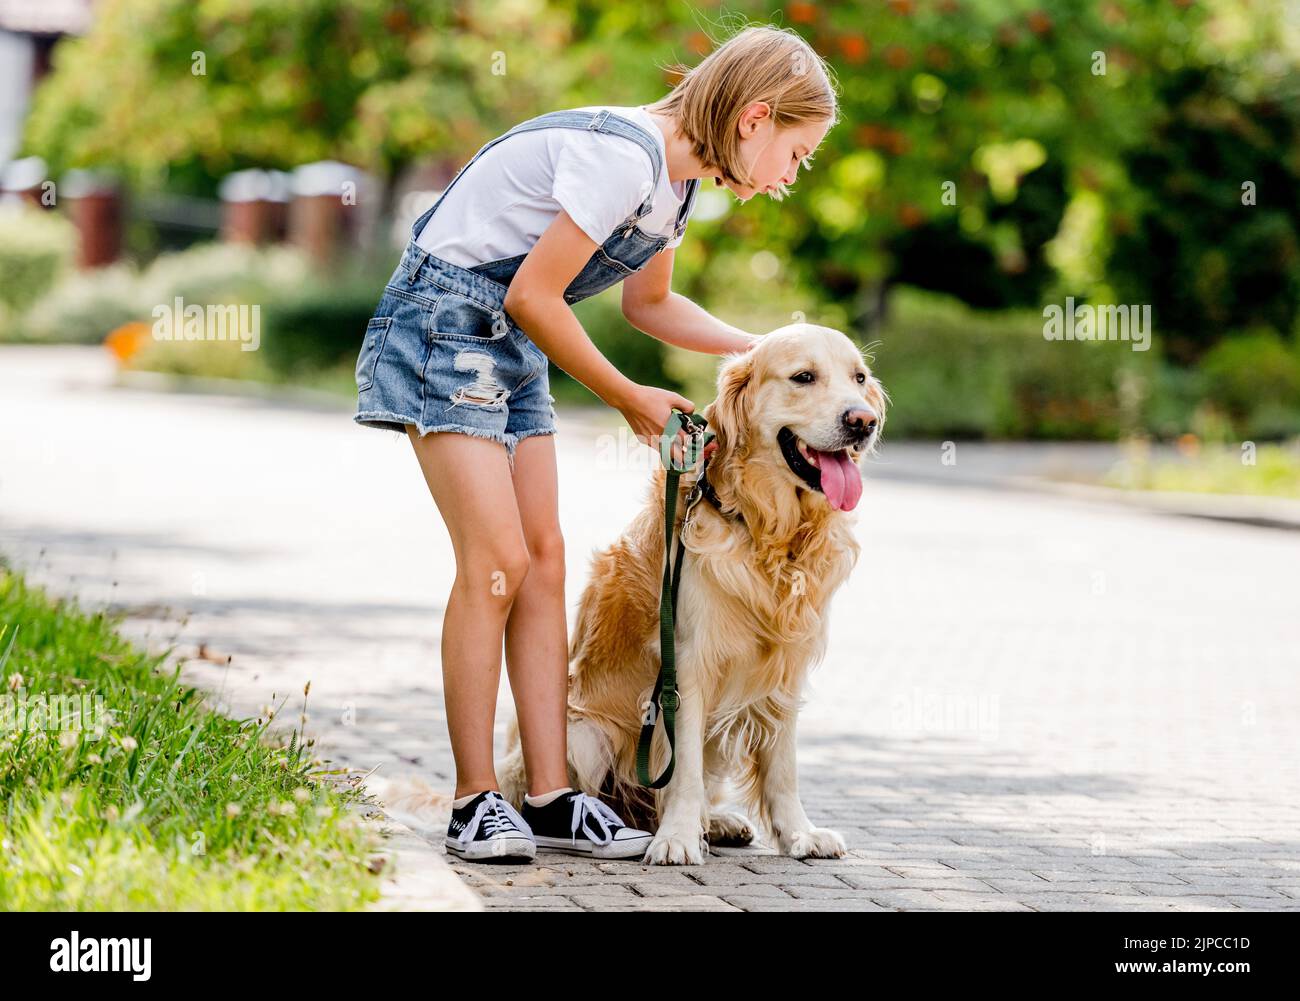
[{"x": 731, "y": 413}]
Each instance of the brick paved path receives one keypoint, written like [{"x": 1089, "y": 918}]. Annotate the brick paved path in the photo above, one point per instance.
[{"x": 1029, "y": 702}]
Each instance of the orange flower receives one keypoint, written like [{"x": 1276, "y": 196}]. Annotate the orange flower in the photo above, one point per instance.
[
  {"x": 1189, "y": 445},
  {"x": 855, "y": 48},
  {"x": 897, "y": 142},
  {"x": 802, "y": 13},
  {"x": 869, "y": 134},
  {"x": 897, "y": 57},
  {"x": 937, "y": 56},
  {"x": 1039, "y": 22},
  {"x": 127, "y": 340}
]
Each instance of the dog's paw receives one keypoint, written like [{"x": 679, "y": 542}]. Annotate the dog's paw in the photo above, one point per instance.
[
  {"x": 819, "y": 842},
  {"x": 677, "y": 848},
  {"x": 727, "y": 828}
]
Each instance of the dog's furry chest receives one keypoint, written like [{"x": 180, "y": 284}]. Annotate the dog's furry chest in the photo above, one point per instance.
[{"x": 751, "y": 634}]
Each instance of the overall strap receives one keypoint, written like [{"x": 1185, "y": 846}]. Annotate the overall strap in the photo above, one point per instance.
[
  {"x": 596, "y": 121},
  {"x": 692, "y": 187},
  {"x": 599, "y": 121}
]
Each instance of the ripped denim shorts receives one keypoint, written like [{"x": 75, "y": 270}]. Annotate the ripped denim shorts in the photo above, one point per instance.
[{"x": 441, "y": 353}]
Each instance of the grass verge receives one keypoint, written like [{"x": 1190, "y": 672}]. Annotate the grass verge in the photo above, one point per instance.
[
  {"x": 122, "y": 791},
  {"x": 1265, "y": 470}
]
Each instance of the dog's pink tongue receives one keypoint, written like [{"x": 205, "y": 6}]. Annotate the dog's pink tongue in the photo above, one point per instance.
[{"x": 841, "y": 480}]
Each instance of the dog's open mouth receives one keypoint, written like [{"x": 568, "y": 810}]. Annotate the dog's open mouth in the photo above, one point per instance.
[{"x": 835, "y": 474}]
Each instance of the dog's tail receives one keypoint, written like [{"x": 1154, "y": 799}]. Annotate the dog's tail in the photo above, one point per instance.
[{"x": 410, "y": 800}]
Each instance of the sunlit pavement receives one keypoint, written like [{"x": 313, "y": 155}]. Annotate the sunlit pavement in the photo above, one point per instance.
[{"x": 1029, "y": 702}]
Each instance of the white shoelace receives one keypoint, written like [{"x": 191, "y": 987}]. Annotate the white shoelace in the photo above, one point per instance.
[
  {"x": 590, "y": 806},
  {"x": 497, "y": 817}
]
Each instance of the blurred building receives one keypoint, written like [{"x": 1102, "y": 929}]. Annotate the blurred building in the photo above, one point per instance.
[{"x": 29, "y": 30}]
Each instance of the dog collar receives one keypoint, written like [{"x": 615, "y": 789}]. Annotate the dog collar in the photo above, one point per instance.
[{"x": 704, "y": 487}]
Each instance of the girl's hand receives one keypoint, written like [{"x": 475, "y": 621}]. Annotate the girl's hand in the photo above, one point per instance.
[
  {"x": 746, "y": 344},
  {"x": 647, "y": 409}
]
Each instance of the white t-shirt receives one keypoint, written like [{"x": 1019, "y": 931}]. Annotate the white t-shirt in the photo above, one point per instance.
[{"x": 502, "y": 204}]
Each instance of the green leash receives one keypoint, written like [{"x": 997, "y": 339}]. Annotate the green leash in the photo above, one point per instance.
[{"x": 665, "y": 700}]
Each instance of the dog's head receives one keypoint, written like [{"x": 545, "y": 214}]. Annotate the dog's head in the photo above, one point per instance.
[{"x": 804, "y": 404}]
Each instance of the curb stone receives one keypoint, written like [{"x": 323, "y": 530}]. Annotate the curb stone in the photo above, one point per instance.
[
  {"x": 416, "y": 875},
  {"x": 1264, "y": 512},
  {"x": 164, "y": 382},
  {"x": 1243, "y": 509}
]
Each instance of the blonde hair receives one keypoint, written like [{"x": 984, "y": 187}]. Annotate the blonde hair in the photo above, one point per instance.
[{"x": 759, "y": 63}]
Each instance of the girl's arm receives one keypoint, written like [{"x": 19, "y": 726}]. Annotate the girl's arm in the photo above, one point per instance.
[
  {"x": 651, "y": 305},
  {"x": 535, "y": 301}
]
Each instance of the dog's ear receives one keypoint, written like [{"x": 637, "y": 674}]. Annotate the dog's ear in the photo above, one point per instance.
[
  {"x": 877, "y": 397},
  {"x": 731, "y": 414}
]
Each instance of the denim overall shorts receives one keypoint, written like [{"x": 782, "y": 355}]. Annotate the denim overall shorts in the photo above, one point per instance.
[{"x": 441, "y": 352}]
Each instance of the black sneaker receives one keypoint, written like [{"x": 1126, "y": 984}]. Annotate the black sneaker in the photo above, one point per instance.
[
  {"x": 582, "y": 825},
  {"x": 488, "y": 828}
]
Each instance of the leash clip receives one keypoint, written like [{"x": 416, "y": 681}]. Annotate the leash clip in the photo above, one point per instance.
[
  {"x": 692, "y": 499},
  {"x": 698, "y": 436}
]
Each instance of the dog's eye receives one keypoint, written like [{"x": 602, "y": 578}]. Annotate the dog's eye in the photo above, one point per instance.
[
  {"x": 803, "y": 377},
  {"x": 862, "y": 378}
]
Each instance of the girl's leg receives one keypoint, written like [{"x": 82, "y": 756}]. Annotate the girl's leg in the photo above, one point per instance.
[
  {"x": 536, "y": 631},
  {"x": 470, "y": 481}
]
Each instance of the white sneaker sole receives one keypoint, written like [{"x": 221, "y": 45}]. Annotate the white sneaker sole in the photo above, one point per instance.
[
  {"x": 628, "y": 848},
  {"x": 520, "y": 849}
]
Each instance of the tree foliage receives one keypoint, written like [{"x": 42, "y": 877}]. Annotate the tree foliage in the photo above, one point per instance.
[{"x": 1007, "y": 151}]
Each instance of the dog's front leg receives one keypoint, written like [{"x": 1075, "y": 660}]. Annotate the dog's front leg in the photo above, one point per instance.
[
  {"x": 794, "y": 832},
  {"x": 680, "y": 838}
]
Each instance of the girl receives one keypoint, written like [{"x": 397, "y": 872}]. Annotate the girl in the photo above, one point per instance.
[{"x": 555, "y": 210}]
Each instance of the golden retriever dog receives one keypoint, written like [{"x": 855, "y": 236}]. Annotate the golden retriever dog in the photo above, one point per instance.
[{"x": 794, "y": 417}]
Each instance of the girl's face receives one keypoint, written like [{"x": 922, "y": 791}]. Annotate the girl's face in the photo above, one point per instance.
[{"x": 772, "y": 155}]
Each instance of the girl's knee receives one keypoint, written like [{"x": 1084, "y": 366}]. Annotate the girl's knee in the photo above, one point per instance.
[
  {"x": 546, "y": 556},
  {"x": 498, "y": 572}
]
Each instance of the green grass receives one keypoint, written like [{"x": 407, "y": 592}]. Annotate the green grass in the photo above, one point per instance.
[
  {"x": 169, "y": 806},
  {"x": 1275, "y": 471}
]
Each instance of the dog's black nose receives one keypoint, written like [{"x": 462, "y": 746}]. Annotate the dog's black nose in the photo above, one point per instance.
[{"x": 859, "y": 422}]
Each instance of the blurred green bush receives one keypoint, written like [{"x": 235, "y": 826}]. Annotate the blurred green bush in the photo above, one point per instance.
[
  {"x": 81, "y": 307},
  {"x": 1255, "y": 378},
  {"x": 317, "y": 325},
  {"x": 311, "y": 321},
  {"x": 36, "y": 247},
  {"x": 951, "y": 371},
  {"x": 954, "y": 372}
]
